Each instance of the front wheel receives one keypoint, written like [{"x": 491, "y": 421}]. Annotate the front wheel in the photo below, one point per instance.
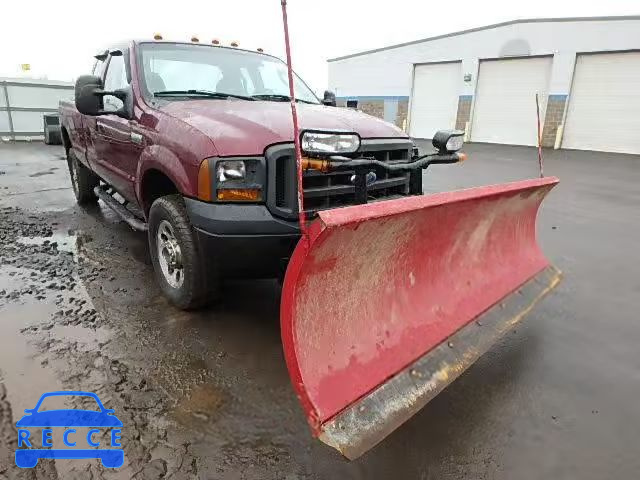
[
  {"x": 83, "y": 181},
  {"x": 176, "y": 256}
]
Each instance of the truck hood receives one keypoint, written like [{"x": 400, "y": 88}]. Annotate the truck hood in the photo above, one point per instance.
[{"x": 239, "y": 127}]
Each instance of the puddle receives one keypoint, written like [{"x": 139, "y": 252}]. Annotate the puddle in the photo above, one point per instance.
[
  {"x": 22, "y": 371},
  {"x": 86, "y": 339},
  {"x": 11, "y": 278},
  {"x": 63, "y": 241},
  {"x": 41, "y": 266}
]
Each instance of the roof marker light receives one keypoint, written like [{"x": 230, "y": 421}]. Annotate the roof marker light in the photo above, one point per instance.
[
  {"x": 195, "y": 39},
  {"x": 234, "y": 44},
  {"x": 215, "y": 41},
  {"x": 157, "y": 36},
  {"x": 260, "y": 50}
]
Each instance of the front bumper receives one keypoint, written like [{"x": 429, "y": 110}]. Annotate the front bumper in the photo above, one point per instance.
[{"x": 242, "y": 240}]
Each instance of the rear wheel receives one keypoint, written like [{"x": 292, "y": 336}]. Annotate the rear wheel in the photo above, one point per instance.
[
  {"x": 177, "y": 260},
  {"x": 83, "y": 181}
]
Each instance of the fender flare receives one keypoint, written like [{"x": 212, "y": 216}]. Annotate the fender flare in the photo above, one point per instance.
[{"x": 165, "y": 161}]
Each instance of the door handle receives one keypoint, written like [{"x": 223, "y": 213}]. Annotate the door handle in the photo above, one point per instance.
[{"x": 136, "y": 138}]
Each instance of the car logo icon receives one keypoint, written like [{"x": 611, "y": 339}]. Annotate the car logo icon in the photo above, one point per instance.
[
  {"x": 111, "y": 457},
  {"x": 371, "y": 178}
]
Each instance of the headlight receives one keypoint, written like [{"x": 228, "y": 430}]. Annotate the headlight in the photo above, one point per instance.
[
  {"x": 448, "y": 141},
  {"x": 230, "y": 170},
  {"x": 232, "y": 180},
  {"x": 330, "y": 143}
]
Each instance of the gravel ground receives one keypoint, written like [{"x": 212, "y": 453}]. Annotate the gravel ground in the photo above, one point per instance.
[{"x": 206, "y": 394}]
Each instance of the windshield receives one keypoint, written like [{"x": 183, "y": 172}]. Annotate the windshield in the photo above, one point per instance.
[
  {"x": 184, "y": 68},
  {"x": 64, "y": 402}
]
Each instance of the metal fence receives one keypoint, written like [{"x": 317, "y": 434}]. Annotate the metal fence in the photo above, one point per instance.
[{"x": 23, "y": 102}]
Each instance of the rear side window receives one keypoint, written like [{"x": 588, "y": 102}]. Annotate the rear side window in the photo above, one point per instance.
[{"x": 116, "y": 78}]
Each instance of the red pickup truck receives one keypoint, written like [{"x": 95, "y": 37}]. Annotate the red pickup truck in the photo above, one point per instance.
[{"x": 193, "y": 143}]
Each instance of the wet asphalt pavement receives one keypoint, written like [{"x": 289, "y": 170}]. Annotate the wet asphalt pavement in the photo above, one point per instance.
[{"x": 207, "y": 395}]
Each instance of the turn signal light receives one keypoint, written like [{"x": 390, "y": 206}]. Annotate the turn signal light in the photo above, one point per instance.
[
  {"x": 240, "y": 194},
  {"x": 315, "y": 164},
  {"x": 462, "y": 157},
  {"x": 204, "y": 182}
]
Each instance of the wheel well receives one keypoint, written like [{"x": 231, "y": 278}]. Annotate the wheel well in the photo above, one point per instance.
[
  {"x": 66, "y": 141},
  {"x": 155, "y": 184}
]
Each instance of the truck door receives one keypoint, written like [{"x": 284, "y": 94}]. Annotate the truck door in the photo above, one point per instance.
[
  {"x": 87, "y": 124},
  {"x": 116, "y": 154}
]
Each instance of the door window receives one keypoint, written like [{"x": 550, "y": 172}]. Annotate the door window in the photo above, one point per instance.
[
  {"x": 116, "y": 78},
  {"x": 98, "y": 68}
]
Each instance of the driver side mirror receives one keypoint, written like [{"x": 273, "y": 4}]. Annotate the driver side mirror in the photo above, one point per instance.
[
  {"x": 329, "y": 98},
  {"x": 88, "y": 100},
  {"x": 90, "y": 95}
]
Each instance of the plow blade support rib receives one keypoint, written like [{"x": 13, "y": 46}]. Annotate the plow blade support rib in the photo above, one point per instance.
[{"x": 385, "y": 304}]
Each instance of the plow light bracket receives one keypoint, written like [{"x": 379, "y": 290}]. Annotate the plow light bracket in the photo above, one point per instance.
[
  {"x": 329, "y": 143},
  {"x": 448, "y": 141}
]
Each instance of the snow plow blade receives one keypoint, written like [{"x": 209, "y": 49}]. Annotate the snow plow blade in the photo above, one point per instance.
[{"x": 385, "y": 304}]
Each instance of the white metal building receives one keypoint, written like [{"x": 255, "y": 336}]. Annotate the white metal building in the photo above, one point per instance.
[
  {"x": 25, "y": 101},
  {"x": 586, "y": 72}
]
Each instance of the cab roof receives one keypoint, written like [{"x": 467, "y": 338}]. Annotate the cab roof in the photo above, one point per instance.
[{"x": 120, "y": 46}]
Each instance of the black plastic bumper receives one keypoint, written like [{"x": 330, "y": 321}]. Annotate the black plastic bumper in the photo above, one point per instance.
[{"x": 243, "y": 240}]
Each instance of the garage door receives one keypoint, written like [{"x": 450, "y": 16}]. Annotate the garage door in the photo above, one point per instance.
[
  {"x": 505, "y": 107},
  {"x": 434, "y": 104},
  {"x": 604, "y": 104}
]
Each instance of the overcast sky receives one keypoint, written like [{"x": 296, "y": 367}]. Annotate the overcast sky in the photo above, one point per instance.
[{"x": 58, "y": 38}]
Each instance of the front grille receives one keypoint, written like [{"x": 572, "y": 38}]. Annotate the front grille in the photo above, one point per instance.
[{"x": 330, "y": 190}]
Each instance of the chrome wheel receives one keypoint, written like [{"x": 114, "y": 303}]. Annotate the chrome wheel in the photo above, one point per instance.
[{"x": 169, "y": 255}]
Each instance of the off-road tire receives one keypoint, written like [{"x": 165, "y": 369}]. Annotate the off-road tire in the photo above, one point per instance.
[
  {"x": 83, "y": 181},
  {"x": 199, "y": 284}
]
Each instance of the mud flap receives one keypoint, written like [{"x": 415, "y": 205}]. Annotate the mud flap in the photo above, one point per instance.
[{"x": 385, "y": 304}]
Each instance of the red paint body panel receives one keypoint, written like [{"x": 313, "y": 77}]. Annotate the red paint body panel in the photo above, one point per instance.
[
  {"x": 376, "y": 286},
  {"x": 178, "y": 135},
  {"x": 246, "y": 128}
]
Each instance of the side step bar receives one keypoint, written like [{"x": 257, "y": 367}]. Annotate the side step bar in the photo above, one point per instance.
[{"x": 126, "y": 215}]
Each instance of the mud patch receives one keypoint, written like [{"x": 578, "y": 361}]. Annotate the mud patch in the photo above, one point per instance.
[
  {"x": 51, "y": 171},
  {"x": 202, "y": 404},
  {"x": 53, "y": 338}
]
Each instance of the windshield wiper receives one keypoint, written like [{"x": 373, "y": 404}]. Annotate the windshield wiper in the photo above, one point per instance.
[
  {"x": 279, "y": 98},
  {"x": 199, "y": 93}
]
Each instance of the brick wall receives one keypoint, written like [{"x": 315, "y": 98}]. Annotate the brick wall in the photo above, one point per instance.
[
  {"x": 464, "y": 111},
  {"x": 376, "y": 108},
  {"x": 553, "y": 119},
  {"x": 403, "y": 109},
  {"x": 372, "y": 107}
]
